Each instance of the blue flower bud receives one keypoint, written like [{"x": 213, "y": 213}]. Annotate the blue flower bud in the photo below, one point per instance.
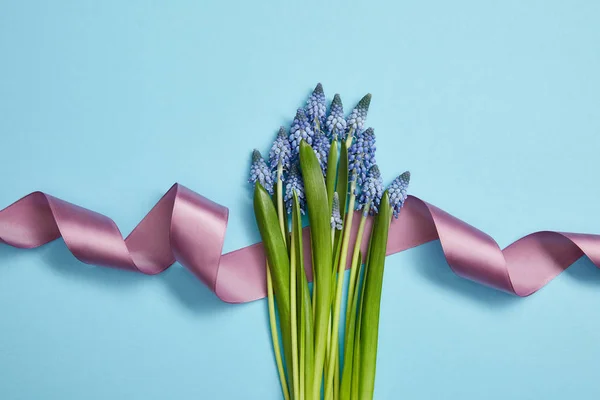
[
  {"x": 294, "y": 184},
  {"x": 336, "y": 218},
  {"x": 361, "y": 155},
  {"x": 336, "y": 123},
  {"x": 316, "y": 108},
  {"x": 371, "y": 192},
  {"x": 321, "y": 146},
  {"x": 301, "y": 129},
  {"x": 358, "y": 116},
  {"x": 281, "y": 151},
  {"x": 260, "y": 172},
  {"x": 398, "y": 192}
]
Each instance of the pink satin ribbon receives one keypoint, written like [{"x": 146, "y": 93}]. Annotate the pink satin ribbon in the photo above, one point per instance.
[{"x": 186, "y": 227}]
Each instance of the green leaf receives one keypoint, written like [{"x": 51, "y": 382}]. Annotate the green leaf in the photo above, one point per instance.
[
  {"x": 319, "y": 218},
  {"x": 277, "y": 255},
  {"x": 332, "y": 162},
  {"x": 304, "y": 303},
  {"x": 369, "y": 327}
]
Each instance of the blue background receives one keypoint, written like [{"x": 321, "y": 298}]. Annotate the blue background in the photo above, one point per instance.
[{"x": 493, "y": 106}]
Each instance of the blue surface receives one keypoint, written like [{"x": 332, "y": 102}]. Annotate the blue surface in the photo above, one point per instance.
[{"x": 493, "y": 106}]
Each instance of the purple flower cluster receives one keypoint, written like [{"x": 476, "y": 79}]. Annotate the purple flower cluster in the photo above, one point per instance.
[
  {"x": 294, "y": 184},
  {"x": 336, "y": 123},
  {"x": 281, "y": 151},
  {"x": 371, "y": 192},
  {"x": 358, "y": 116},
  {"x": 316, "y": 108},
  {"x": 398, "y": 192},
  {"x": 318, "y": 128},
  {"x": 321, "y": 146},
  {"x": 301, "y": 130},
  {"x": 260, "y": 172},
  {"x": 361, "y": 155}
]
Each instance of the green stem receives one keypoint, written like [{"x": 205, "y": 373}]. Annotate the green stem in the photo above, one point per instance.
[
  {"x": 314, "y": 297},
  {"x": 356, "y": 356},
  {"x": 346, "y": 385},
  {"x": 349, "y": 138},
  {"x": 336, "y": 379},
  {"x": 302, "y": 352},
  {"x": 294, "y": 317},
  {"x": 332, "y": 163},
  {"x": 355, "y": 362},
  {"x": 338, "y": 290},
  {"x": 327, "y": 360},
  {"x": 280, "y": 208},
  {"x": 353, "y": 268},
  {"x": 275, "y": 335},
  {"x": 342, "y": 189}
]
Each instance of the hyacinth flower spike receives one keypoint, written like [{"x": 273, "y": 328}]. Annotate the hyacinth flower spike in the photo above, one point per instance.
[
  {"x": 361, "y": 157},
  {"x": 321, "y": 145},
  {"x": 295, "y": 184},
  {"x": 336, "y": 123},
  {"x": 261, "y": 174},
  {"x": 280, "y": 160},
  {"x": 281, "y": 151},
  {"x": 398, "y": 192},
  {"x": 371, "y": 192},
  {"x": 357, "y": 118},
  {"x": 316, "y": 108},
  {"x": 301, "y": 129}
]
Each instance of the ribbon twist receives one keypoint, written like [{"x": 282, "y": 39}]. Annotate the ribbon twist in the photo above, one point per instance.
[{"x": 186, "y": 227}]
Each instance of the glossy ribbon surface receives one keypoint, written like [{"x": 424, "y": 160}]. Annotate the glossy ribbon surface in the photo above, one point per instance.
[{"x": 186, "y": 227}]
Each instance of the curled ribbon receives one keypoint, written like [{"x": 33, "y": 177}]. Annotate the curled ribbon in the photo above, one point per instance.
[{"x": 186, "y": 227}]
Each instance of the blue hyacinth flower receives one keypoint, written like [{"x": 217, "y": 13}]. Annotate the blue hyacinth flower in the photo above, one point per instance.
[
  {"x": 358, "y": 116},
  {"x": 336, "y": 123},
  {"x": 321, "y": 146},
  {"x": 361, "y": 155},
  {"x": 260, "y": 172},
  {"x": 294, "y": 184},
  {"x": 316, "y": 108},
  {"x": 336, "y": 218},
  {"x": 301, "y": 129},
  {"x": 371, "y": 192},
  {"x": 281, "y": 151},
  {"x": 398, "y": 192}
]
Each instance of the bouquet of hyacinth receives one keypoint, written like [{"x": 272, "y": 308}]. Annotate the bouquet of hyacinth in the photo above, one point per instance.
[{"x": 324, "y": 167}]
